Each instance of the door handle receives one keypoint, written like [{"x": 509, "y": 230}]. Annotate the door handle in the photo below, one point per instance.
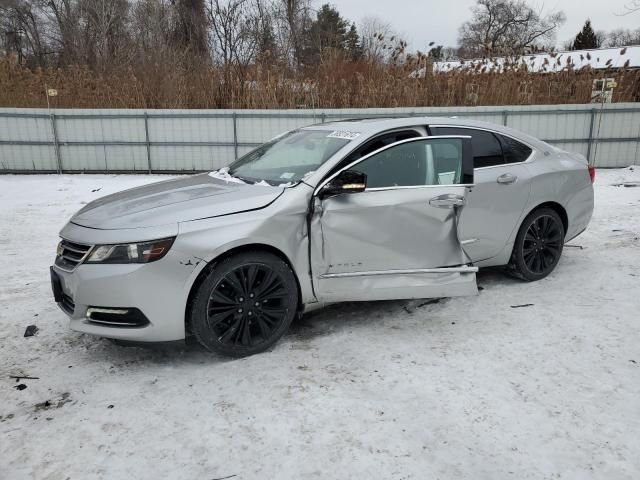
[
  {"x": 448, "y": 200},
  {"x": 507, "y": 179}
]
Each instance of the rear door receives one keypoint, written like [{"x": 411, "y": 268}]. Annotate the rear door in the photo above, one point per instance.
[
  {"x": 501, "y": 192},
  {"x": 398, "y": 238}
]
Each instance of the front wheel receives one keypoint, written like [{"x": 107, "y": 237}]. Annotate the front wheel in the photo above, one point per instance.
[
  {"x": 538, "y": 246},
  {"x": 245, "y": 304}
]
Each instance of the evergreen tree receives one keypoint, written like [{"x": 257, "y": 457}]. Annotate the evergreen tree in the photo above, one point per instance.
[
  {"x": 436, "y": 54},
  {"x": 329, "y": 31},
  {"x": 586, "y": 39},
  {"x": 266, "y": 42},
  {"x": 353, "y": 46}
]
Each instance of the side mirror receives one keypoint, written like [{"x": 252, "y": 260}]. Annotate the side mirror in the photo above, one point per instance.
[{"x": 347, "y": 181}]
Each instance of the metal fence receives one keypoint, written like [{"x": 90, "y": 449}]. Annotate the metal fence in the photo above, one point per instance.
[{"x": 158, "y": 141}]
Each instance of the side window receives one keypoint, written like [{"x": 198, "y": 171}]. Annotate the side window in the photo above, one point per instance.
[
  {"x": 487, "y": 150},
  {"x": 416, "y": 163},
  {"x": 514, "y": 151},
  {"x": 379, "y": 142}
]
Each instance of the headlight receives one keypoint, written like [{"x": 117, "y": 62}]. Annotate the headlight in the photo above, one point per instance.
[{"x": 130, "y": 252}]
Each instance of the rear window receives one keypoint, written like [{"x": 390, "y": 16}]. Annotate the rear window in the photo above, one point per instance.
[
  {"x": 487, "y": 150},
  {"x": 514, "y": 151}
]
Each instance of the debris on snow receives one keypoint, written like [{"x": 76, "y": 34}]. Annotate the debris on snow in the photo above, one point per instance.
[
  {"x": 30, "y": 331},
  {"x": 47, "y": 404},
  {"x": 431, "y": 301},
  {"x": 22, "y": 377},
  {"x": 524, "y": 305},
  {"x": 21, "y": 386},
  {"x": 626, "y": 184}
]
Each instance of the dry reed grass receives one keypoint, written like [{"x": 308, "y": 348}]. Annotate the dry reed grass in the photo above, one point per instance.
[{"x": 338, "y": 84}]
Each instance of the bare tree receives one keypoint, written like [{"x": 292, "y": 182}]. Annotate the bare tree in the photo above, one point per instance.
[
  {"x": 150, "y": 27},
  {"x": 89, "y": 32},
  {"x": 230, "y": 23},
  {"x": 631, "y": 7},
  {"x": 261, "y": 26},
  {"x": 190, "y": 29},
  {"x": 504, "y": 27},
  {"x": 293, "y": 23},
  {"x": 373, "y": 32},
  {"x": 106, "y": 34},
  {"x": 21, "y": 26},
  {"x": 379, "y": 42},
  {"x": 66, "y": 28},
  {"x": 439, "y": 53},
  {"x": 622, "y": 38}
]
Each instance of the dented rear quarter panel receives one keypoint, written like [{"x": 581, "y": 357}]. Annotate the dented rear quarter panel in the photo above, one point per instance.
[{"x": 563, "y": 178}]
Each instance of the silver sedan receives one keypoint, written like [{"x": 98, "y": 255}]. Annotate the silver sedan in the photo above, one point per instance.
[{"x": 362, "y": 210}]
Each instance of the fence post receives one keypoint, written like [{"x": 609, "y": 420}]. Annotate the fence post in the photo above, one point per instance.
[
  {"x": 505, "y": 116},
  {"x": 323, "y": 117},
  {"x": 146, "y": 137},
  {"x": 56, "y": 145},
  {"x": 235, "y": 135},
  {"x": 590, "y": 143}
]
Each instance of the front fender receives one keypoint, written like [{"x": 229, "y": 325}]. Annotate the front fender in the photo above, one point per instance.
[{"x": 209, "y": 239}]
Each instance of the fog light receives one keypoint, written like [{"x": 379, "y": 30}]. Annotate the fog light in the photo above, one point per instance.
[{"x": 116, "y": 317}]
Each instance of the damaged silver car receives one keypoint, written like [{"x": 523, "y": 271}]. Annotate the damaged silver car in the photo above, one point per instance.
[{"x": 373, "y": 209}]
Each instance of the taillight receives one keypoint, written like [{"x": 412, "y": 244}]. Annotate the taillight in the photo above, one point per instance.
[{"x": 592, "y": 173}]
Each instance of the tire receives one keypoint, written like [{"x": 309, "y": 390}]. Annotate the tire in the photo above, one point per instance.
[
  {"x": 245, "y": 304},
  {"x": 538, "y": 245}
]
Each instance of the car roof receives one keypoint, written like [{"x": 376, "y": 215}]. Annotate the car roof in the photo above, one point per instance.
[{"x": 374, "y": 125}]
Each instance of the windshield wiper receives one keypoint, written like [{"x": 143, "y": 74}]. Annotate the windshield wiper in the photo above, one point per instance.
[{"x": 250, "y": 181}]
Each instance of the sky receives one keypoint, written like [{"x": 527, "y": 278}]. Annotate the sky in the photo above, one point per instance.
[{"x": 424, "y": 21}]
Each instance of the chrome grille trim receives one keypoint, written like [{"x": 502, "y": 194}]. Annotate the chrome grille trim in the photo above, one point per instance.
[
  {"x": 115, "y": 324},
  {"x": 68, "y": 246},
  {"x": 72, "y": 254}
]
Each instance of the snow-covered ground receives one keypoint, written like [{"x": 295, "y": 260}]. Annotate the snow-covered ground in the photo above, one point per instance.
[{"x": 464, "y": 388}]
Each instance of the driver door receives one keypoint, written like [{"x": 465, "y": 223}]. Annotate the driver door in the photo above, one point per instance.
[{"x": 395, "y": 238}]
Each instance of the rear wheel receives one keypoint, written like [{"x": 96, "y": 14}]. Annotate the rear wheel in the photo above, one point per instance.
[
  {"x": 245, "y": 304},
  {"x": 538, "y": 246}
]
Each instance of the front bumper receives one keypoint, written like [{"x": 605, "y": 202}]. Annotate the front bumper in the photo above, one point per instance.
[{"x": 159, "y": 290}]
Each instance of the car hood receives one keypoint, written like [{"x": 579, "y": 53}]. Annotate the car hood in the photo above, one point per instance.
[{"x": 174, "y": 201}]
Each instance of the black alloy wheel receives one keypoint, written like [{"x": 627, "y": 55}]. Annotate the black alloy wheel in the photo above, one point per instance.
[
  {"x": 245, "y": 304},
  {"x": 538, "y": 246}
]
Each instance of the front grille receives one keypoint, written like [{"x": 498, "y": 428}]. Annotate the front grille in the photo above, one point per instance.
[
  {"x": 67, "y": 304},
  {"x": 71, "y": 254}
]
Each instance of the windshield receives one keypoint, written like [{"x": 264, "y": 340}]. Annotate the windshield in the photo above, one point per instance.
[{"x": 287, "y": 159}]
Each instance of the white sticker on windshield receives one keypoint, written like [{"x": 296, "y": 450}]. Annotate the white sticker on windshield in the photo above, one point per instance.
[
  {"x": 344, "y": 135},
  {"x": 287, "y": 175}
]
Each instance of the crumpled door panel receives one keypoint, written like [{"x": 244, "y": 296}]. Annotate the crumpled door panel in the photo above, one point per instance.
[{"x": 386, "y": 231}]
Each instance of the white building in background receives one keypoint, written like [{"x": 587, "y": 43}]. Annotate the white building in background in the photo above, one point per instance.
[{"x": 598, "y": 59}]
